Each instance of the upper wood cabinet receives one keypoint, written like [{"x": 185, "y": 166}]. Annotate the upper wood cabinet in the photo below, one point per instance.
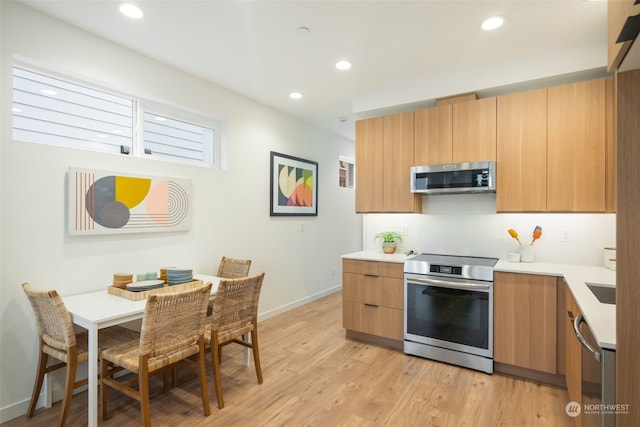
[
  {"x": 433, "y": 136},
  {"x": 458, "y": 132},
  {"x": 474, "y": 130},
  {"x": 617, "y": 13},
  {"x": 576, "y": 147},
  {"x": 522, "y": 152},
  {"x": 369, "y": 151},
  {"x": 384, "y": 156}
]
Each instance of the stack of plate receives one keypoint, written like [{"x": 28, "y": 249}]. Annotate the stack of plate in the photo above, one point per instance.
[
  {"x": 176, "y": 276},
  {"x": 145, "y": 285}
]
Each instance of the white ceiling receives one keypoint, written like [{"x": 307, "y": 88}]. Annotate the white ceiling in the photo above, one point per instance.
[{"x": 404, "y": 53}]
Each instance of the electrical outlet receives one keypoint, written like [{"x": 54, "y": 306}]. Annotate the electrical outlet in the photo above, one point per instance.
[{"x": 565, "y": 235}]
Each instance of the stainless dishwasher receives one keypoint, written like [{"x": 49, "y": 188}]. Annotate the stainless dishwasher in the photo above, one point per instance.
[{"x": 603, "y": 411}]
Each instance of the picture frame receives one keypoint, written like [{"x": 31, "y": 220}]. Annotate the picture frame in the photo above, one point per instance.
[
  {"x": 294, "y": 186},
  {"x": 110, "y": 202}
]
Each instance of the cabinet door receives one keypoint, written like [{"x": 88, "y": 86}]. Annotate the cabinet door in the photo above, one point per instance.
[
  {"x": 522, "y": 152},
  {"x": 384, "y": 291},
  {"x": 369, "y": 161},
  {"x": 433, "y": 136},
  {"x": 474, "y": 130},
  {"x": 397, "y": 161},
  {"x": 576, "y": 147},
  {"x": 524, "y": 321},
  {"x": 573, "y": 354}
]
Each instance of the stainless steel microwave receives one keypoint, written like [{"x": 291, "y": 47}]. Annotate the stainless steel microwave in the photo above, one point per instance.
[{"x": 470, "y": 177}]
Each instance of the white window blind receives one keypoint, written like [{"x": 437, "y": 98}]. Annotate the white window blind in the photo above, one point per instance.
[
  {"x": 57, "y": 112},
  {"x": 167, "y": 137}
]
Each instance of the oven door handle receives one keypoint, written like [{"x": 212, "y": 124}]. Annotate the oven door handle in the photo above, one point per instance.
[{"x": 451, "y": 285}]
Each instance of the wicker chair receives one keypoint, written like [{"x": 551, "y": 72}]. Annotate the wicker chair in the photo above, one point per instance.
[
  {"x": 235, "y": 313},
  {"x": 230, "y": 268},
  {"x": 233, "y": 268},
  {"x": 173, "y": 327},
  {"x": 59, "y": 340}
]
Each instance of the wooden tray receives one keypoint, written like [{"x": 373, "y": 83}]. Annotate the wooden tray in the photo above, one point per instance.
[{"x": 137, "y": 296}]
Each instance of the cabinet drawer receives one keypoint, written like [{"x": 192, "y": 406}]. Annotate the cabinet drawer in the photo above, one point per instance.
[
  {"x": 375, "y": 320},
  {"x": 375, "y": 290},
  {"x": 373, "y": 268}
]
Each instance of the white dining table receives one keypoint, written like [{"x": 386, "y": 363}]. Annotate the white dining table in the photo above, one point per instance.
[{"x": 100, "y": 309}]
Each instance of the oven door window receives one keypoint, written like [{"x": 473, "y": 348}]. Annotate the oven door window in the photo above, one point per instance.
[{"x": 452, "y": 315}]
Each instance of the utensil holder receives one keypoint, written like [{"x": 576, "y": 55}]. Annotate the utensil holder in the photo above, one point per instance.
[{"x": 527, "y": 253}]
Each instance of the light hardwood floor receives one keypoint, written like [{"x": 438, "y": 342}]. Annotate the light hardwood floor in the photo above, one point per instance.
[{"x": 313, "y": 376}]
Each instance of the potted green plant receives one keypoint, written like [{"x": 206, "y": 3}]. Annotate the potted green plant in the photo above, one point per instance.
[{"x": 389, "y": 239}]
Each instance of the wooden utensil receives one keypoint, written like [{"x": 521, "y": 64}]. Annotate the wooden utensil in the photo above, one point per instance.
[{"x": 514, "y": 234}]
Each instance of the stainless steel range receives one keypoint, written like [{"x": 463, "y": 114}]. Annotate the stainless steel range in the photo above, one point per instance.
[{"x": 448, "y": 305}]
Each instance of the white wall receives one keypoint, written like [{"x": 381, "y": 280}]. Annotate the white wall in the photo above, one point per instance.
[
  {"x": 467, "y": 224},
  {"x": 231, "y": 214}
]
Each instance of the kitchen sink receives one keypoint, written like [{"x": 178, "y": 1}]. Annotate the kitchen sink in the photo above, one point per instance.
[{"x": 605, "y": 293}]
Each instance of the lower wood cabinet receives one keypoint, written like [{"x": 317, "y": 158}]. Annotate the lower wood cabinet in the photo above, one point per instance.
[
  {"x": 373, "y": 298},
  {"x": 525, "y": 331}
]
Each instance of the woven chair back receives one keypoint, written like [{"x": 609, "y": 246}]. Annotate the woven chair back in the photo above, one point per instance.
[
  {"x": 54, "y": 321},
  {"x": 236, "y": 303},
  {"x": 233, "y": 268},
  {"x": 173, "y": 321}
]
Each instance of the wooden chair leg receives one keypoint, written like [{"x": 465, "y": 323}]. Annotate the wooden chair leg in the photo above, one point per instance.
[
  {"x": 215, "y": 365},
  {"x": 43, "y": 358},
  {"x": 72, "y": 367},
  {"x": 256, "y": 353},
  {"x": 202, "y": 373},
  {"x": 143, "y": 384}
]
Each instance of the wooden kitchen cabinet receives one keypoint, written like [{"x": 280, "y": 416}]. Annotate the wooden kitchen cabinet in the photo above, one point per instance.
[
  {"x": 524, "y": 321},
  {"x": 573, "y": 353},
  {"x": 462, "y": 131},
  {"x": 522, "y": 152},
  {"x": 474, "y": 130},
  {"x": 369, "y": 140},
  {"x": 373, "y": 298},
  {"x": 384, "y": 156},
  {"x": 576, "y": 147},
  {"x": 433, "y": 136}
]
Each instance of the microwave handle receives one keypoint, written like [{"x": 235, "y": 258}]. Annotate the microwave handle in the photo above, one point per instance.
[{"x": 576, "y": 329}]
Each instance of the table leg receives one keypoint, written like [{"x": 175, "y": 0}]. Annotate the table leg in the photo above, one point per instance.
[{"x": 93, "y": 377}]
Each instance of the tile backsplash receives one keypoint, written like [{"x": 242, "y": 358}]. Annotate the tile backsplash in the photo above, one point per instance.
[{"x": 467, "y": 224}]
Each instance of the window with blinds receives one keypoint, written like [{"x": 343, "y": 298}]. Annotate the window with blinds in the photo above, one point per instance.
[
  {"x": 166, "y": 137},
  {"x": 59, "y": 112}
]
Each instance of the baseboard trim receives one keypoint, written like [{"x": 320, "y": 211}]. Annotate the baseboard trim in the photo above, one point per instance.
[{"x": 290, "y": 306}]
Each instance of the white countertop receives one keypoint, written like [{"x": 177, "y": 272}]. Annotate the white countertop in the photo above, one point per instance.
[
  {"x": 398, "y": 257},
  {"x": 600, "y": 317}
]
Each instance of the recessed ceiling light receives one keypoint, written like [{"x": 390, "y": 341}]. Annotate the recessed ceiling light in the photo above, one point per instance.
[
  {"x": 49, "y": 92},
  {"x": 492, "y": 23},
  {"x": 295, "y": 95},
  {"x": 343, "y": 65},
  {"x": 131, "y": 10},
  {"x": 16, "y": 110}
]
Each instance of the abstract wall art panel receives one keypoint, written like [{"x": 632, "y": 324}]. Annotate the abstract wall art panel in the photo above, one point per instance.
[
  {"x": 102, "y": 202},
  {"x": 294, "y": 186}
]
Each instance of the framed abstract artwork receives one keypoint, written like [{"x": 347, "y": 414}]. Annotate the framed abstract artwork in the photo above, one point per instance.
[
  {"x": 102, "y": 202},
  {"x": 294, "y": 186}
]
